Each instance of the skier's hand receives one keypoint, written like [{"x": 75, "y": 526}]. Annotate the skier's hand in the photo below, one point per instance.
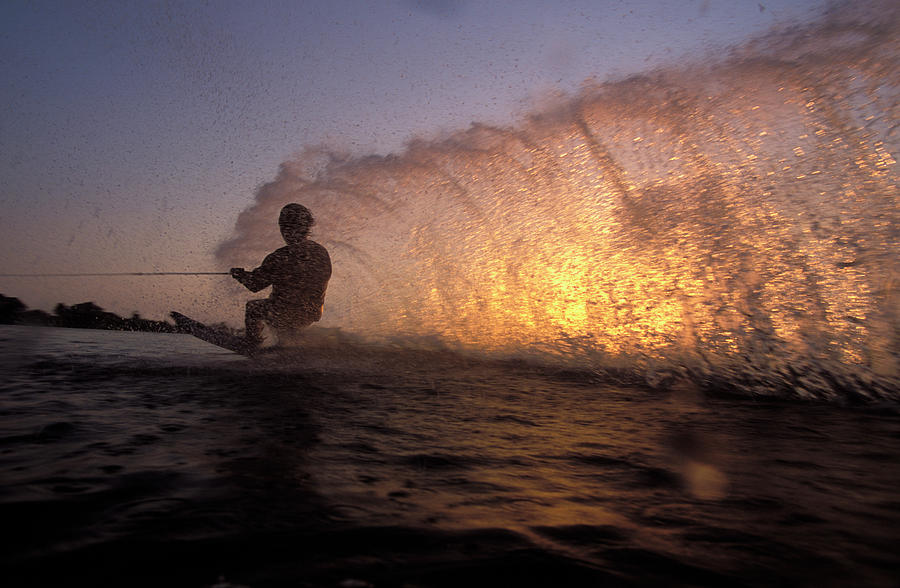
[{"x": 238, "y": 273}]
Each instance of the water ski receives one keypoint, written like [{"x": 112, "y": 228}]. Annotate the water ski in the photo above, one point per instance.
[{"x": 210, "y": 335}]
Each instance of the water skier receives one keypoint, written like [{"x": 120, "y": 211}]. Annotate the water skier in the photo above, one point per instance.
[{"x": 298, "y": 273}]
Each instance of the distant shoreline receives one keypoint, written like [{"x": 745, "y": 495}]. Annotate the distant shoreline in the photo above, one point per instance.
[{"x": 85, "y": 315}]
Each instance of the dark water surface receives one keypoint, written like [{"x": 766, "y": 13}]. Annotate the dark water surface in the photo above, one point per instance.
[{"x": 144, "y": 460}]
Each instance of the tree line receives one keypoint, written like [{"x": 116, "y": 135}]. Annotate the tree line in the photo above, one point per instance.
[{"x": 85, "y": 315}]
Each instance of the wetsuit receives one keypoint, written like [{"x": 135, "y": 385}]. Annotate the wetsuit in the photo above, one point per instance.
[{"x": 298, "y": 274}]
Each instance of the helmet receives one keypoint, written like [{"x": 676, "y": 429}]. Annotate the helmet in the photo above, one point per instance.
[{"x": 295, "y": 221}]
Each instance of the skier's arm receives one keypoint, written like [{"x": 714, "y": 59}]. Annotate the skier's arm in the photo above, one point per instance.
[{"x": 254, "y": 280}]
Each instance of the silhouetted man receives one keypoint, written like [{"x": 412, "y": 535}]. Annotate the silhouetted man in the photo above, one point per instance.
[{"x": 298, "y": 273}]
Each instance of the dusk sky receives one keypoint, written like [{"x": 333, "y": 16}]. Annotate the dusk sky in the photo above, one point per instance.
[{"x": 133, "y": 133}]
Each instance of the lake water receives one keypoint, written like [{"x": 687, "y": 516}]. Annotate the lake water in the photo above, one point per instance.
[{"x": 134, "y": 459}]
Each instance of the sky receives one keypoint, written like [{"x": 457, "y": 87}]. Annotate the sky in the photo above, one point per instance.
[{"x": 132, "y": 133}]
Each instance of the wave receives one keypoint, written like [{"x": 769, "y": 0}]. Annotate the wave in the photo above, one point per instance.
[{"x": 732, "y": 222}]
